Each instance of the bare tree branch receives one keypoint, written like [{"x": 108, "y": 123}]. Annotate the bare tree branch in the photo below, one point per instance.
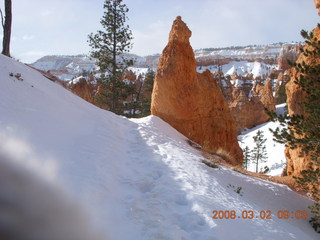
[
  {"x": 7, "y": 28},
  {"x": 2, "y": 23}
]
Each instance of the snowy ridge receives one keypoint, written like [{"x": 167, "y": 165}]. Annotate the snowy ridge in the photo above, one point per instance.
[
  {"x": 271, "y": 51},
  {"x": 75, "y": 64},
  {"x": 243, "y": 59},
  {"x": 242, "y": 68},
  {"x": 138, "y": 179}
]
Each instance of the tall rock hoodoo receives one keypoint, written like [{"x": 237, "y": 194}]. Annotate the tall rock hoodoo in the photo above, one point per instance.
[
  {"x": 191, "y": 102},
  {"x": 295, "y": 95},
  {"x": 295, "y": 162},
  {"x": 264, "y": 92}
]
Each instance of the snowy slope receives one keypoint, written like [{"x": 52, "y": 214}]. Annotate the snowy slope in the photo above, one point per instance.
[
  {"x": 138, "y": 179},
  {"x": 276, "y": 159}
]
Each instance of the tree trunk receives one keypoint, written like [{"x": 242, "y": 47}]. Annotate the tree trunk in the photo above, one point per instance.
[{"x": 7, "y": 28}]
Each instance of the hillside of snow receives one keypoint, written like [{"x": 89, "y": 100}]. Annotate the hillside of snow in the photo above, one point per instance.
[{"x": 135, "y": 179}]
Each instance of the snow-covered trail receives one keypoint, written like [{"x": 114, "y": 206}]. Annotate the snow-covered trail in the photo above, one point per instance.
[
  {"x": 198, "y": 190},
  {"x": 138, "y": 179},
  {"x": 161, "y": 190}
]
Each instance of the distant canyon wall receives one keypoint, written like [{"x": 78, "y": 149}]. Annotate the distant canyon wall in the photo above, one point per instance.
[{"x": 68, "y": 67}]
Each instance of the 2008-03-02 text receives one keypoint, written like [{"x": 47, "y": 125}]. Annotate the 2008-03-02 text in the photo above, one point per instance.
[{"x": 249, "y": 214}]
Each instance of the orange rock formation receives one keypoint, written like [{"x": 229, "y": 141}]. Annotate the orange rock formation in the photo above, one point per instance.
[
  {"x": 191, "y": 102},
  {"x": 247, "y": 112},
  {"x": 250, "y": 111},
  {"x": 265, "y": 95},
  {"x": 83, "y": 89}
]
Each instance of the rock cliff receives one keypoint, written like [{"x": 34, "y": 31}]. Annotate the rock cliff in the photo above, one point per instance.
[{"x": 191, "y": 102}]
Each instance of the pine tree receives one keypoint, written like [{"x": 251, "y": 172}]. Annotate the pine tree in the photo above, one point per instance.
[
  {"x": 303, "y": 131},
  {"x": 246, "y": 157},
  {"x": 147, "y": 93},
  {"x": 108, "y": 48},
  {"x": 281, "y": 94},
  {"x": 259, "y": 152},
  {"x": 133, "y": 106},
  {"x": 139, "y": 103}
]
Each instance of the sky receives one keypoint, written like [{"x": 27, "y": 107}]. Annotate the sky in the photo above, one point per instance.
[{"x": 61, "y": 27}]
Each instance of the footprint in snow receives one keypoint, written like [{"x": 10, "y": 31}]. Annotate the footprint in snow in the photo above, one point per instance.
[
  {"x": 146, "y": 187},
  {"x": 181, "y": 200}
]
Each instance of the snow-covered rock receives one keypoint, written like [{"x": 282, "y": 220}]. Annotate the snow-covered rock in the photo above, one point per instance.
[{"x": 270, "y": 52}]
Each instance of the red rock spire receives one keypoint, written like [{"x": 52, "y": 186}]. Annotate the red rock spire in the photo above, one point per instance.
[{"x": 191, "y": 102}]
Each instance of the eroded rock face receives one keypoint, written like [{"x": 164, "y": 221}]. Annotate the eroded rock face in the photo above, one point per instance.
[
  {"x": 191, "y": 102},
  {"x": 247, "y": 108},
  {"x": 265, "y": 94},
  {"x": 84, "y": 90},
  {"x": 295, "y": 95}
]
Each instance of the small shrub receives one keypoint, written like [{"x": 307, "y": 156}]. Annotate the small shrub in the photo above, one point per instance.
[
  {"x": 236, "y": 189},
  {"x": 210, "y": 163},
  {"x": 225, "y": 155},
  {"x": 193, "y": 144}
]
